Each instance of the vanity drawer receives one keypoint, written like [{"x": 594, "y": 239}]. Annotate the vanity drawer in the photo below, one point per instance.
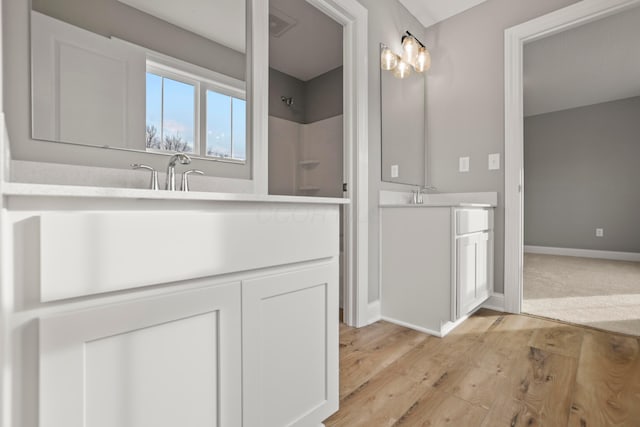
[
  {"x": 89, "y": 253},
  {"x": 471, "y": 220}
]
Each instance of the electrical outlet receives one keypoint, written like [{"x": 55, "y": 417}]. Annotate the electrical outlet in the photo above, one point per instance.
[
  {"x": 599, "y": 232},
  {"x": 395, "y": 171},
  {"x": 464, "y": 164},
  {"x": 494, "y": 162}
]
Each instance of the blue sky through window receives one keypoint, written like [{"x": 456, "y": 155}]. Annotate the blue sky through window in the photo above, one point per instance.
[
  {"x": 218, "y": 124},
  {"x": 171, "y": 115},
  {"x": 226, "y": 126}
]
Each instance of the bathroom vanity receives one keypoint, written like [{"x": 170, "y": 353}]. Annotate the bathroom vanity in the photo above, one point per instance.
[
  {"x": 154, "y": 308},
  {"x": 436, "y": 263}
]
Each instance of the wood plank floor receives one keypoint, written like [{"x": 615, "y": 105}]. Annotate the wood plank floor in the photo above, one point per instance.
[{"x": 494, "y": 370}]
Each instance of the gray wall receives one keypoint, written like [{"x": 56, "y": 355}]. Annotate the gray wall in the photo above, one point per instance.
[
  {"x": 314, "y": 100},
  {"x": 465, "y": 99},
  {"x": 387, "y": 22},
  {"x": 324, "y": 96},
  {"x": 129, "y": 24},
  {"x": 281, "y": 84},
  {"x": 112, "y": 18},
  {"x": 581, "y": 173}
]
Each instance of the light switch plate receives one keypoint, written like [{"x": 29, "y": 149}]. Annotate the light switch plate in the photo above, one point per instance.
[
  {"x": 464, "y": 164},
  {"x": 599, "y": 232},
  {"x": 494, "y": 161},
  {"x": 395, "y": 171}
]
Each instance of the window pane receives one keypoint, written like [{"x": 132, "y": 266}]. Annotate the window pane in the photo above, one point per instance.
[
  {"x": 178, "y": 124},
  {"x": 239, "y": 129},
  {"x": 154, "y": 110},
  {"x": 218, "y": 125}
]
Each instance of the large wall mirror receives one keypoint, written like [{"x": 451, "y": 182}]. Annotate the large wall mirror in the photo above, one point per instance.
[
  {"x": 155, "y": 76},
  {"x": 403, "y": 121}
]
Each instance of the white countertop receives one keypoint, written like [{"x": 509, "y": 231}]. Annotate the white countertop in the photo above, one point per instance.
[
  {"x": 14, "y": 189},
  {"x": 400, "y": 199},
  {"x": 436, "y": 205}
]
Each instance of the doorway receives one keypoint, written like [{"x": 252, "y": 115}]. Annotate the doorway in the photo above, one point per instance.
[
  {"x": 307, "y": 176},
  {"x": 520, "y": 185}
]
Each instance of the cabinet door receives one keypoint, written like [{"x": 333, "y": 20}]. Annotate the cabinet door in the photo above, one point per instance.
[
  {"x": 166, "y": 361},
  {"x": 472, "y": 272},
  {"x": 290, "y": 347},
  {"x": 483, "y": 267}
]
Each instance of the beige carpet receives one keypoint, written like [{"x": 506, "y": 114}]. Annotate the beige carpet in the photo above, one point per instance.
[{"x": 601, "y": 293}]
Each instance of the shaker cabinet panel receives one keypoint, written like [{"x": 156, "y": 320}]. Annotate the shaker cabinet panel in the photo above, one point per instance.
[
  {"x": 290, "y": 347},
  {"x": 472, "y": 271},
  {"x": 156, "y": 362}
]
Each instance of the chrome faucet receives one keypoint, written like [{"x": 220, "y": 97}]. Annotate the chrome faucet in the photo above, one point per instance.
[
  {"x": 171, "y": 169},
  {"x": 418, "y": 198}
]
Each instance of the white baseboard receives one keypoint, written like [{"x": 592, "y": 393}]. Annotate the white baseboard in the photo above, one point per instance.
[
  {"x": 584, "y": 253},
  {"x": 445, "y": 329},
  {"x": 495, "y": 302},
  {"x": 450, "y": 326},
  {"x": 374, "y": 312},
  {"x": 412, "y": 326}
]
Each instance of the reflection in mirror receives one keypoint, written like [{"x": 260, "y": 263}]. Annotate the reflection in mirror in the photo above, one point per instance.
[
  {"x": 141, "y": 75},
  {"x": 402, "y": 102},
  {"x": 305, "y": 101}
]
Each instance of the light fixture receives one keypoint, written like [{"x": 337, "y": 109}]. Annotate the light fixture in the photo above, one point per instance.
[{"x": 414, "y": 55}]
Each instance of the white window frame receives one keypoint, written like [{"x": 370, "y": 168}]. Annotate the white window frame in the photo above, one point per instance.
[{"x": 203, "y": 80}]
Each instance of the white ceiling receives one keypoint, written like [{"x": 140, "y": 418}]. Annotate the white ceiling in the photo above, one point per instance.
[
  {"x": 596, "y": 62},
  {"x": 310, "y": 48},
  {"x": 430, "y": 12},
  {"x": 222, "y": 21}
]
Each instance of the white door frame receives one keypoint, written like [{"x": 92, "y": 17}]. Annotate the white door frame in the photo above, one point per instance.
[
  {"x": 515, "y": 38},
  {"x": 354, "y": 17}
]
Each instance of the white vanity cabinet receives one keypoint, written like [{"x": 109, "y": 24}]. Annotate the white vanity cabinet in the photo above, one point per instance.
[
  {"x": 436, "y": 264},
  {"x": 147, "y": 313}
]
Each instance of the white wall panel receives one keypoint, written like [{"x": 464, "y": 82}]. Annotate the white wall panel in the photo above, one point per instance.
[{"x": 86, "y": 88}]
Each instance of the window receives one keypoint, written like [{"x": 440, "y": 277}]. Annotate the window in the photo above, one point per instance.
[
  {"x": 171, "y": 120},
  {"x": 193, "y": 113},
  {"x": 226, "y": 126}
]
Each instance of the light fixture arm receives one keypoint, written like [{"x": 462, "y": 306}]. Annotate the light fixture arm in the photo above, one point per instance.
[{"x": 408, "y": 34}]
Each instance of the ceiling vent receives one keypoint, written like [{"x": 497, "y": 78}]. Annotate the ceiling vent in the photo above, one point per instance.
[{"x": 279, "y": 22}]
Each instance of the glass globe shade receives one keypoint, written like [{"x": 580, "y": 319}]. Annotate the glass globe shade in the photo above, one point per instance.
[
  {"x": 402, "y": 70},
  {"x": 423, "y": 61},
  {"x": 388, "y": 59},
  {"x": 410, "y": 47}
]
